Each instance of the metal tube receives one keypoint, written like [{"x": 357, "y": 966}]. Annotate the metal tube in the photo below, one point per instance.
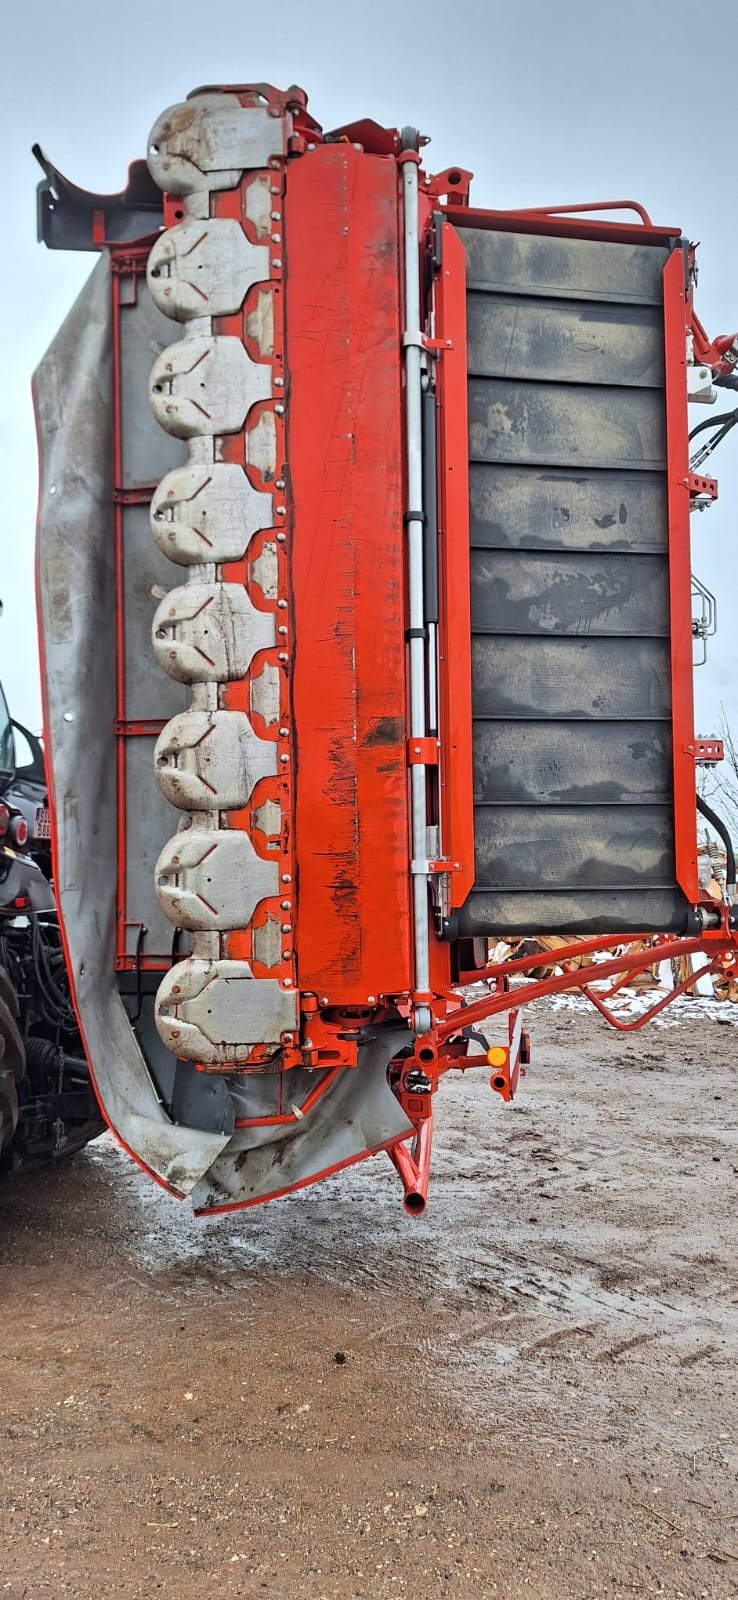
[
  {"x": 414, "y": 1168},
  {"x": 414, "y": 521},
  {"x": 430, "y": 555}
]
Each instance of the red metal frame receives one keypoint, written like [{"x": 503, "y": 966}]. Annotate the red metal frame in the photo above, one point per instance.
[
  {"x": 455, "y": 675},
  {"x": 680, "y": 575}
]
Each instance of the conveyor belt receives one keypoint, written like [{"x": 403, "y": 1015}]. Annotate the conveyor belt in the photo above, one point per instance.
[{"x": 571, "y": 685}]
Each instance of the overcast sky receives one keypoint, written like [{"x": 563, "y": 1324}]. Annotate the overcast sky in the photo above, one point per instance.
[{"x": 546, "y": 102}]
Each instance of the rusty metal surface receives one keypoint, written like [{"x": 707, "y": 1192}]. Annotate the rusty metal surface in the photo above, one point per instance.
[{"x": 571, "y": 684}]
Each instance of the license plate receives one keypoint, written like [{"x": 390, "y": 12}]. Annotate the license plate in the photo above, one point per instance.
[{"x": 43, "y": 823}]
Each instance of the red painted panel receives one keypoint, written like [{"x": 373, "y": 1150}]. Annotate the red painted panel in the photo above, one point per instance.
[{"x": 344, "y": 450}]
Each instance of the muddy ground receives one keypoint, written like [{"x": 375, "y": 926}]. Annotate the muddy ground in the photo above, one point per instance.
[{"x": 530, "y": 1391}]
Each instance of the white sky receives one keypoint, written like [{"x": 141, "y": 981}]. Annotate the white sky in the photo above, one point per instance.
[{"x": 546, "y": 102}]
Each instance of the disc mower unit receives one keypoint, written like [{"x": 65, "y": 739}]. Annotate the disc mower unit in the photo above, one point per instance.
[{"x": 365, "y": 606}]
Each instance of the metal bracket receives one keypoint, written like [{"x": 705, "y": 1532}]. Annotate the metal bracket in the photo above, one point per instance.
[
  {"x": 706, "y": 752},
  {"x": 702, "y": 491},
  {"x": 422, "y": 752}
]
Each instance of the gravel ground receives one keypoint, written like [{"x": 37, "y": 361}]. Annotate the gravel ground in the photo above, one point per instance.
[{"x": 529, "y": 1391}]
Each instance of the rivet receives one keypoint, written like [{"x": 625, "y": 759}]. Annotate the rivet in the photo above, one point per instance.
[
  {"x": 276, "y": 239},
  {"x": 281, "y": 629},
  {"x": 283, "y": 732},
  {"x": 282, "y": 605},
  {"x": 286, "y": 955},
  {"x": 279, "y": 410},
  {"x": 371, "y": 999},
  {"x": 286, "y": 927},
  {"x": 276, "y": 261},
  {"x": 275, "y": 215},
  {"x": 279, "y": 383},
  {"x": 274, "y": 111},
  {"x": 279, "y": 483},
  {"x": 311, "y": 147},
  {"x": 287, "y": 983},
  {"x": 286, "y": 877},
  {"x": 284, "y": 757},
  {"x": 281, "y": 511},
  {"x": 274, "y": 188},
  {"x": 324, "y": 999},
  {"x": 281, "y": 537},
  {"x": 286, "y": 905},
  {"x": 283, "y": 656}
]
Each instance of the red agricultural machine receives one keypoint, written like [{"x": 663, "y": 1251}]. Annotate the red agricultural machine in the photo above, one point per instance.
[{"x": 366, "y": 612}]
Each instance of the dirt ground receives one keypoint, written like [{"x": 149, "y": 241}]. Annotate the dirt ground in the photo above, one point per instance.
[{"x": 530, "y": 1391}]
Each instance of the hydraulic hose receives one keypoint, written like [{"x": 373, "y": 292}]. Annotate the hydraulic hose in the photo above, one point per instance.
[
  {"x": 714, "y": 422},
  {"x": 717, "y": 823}
]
